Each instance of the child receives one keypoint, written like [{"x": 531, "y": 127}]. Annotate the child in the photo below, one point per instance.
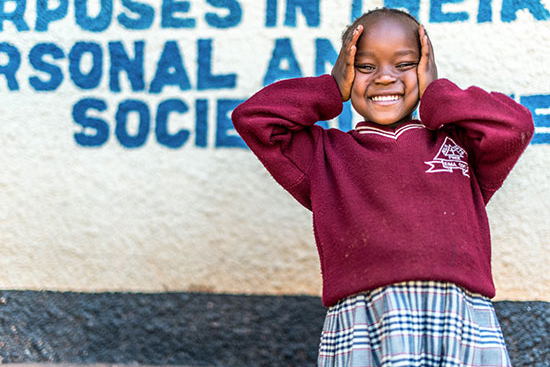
[{"x": 398, "y": 204}]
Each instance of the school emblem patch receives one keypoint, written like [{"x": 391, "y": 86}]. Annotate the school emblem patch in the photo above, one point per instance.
[{"x": 450, "y": 157}]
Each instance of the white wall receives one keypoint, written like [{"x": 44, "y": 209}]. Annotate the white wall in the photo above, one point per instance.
[{"x": 201, "y": 213}]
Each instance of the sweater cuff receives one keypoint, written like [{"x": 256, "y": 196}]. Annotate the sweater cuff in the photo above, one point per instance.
[
  {"x": 428, "y": 103},
  {"x": 333, "y": 96}
]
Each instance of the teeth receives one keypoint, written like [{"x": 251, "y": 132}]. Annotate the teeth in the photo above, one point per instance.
[{"x": 385, "y": 98}]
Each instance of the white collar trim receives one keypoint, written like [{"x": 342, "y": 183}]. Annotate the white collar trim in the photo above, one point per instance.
[{"x": 388, "y": 134}]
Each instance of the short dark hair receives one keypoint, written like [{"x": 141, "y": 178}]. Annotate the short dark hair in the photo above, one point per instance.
[{"x": 374, "y": 14}]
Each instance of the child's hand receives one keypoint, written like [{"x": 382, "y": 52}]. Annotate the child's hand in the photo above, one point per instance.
[
  {"x": 427, "y": 69},
  {"x": 344, "y": 68}
]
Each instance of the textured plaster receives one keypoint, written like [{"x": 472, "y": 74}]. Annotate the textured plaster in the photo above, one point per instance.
[{"x": 211, "y": 219}]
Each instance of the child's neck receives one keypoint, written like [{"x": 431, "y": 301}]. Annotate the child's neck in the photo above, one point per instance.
[{"x": 396, "y": 124}]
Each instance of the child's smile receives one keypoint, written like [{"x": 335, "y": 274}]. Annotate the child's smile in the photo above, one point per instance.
[
  {"x": 385, "y": 99},
  {"x": 385, "y": 89}
]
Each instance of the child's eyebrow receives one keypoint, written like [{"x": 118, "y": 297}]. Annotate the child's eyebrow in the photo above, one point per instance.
[
  {"x": 364, "y": 53},
  {"x": 396, "y": 53},
  {"x": 405, "y": 52}
]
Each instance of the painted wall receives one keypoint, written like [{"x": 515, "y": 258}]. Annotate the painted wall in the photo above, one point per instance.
[{"x": 120, "y": 170}]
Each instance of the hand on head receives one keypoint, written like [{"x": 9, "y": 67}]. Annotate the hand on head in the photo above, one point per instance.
[
  {"x": 427, "y": 69},
  {"x": 344, "y": 68}
]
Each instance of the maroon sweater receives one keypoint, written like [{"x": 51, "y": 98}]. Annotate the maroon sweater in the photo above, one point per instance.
[{"x": 391, "y": 205}]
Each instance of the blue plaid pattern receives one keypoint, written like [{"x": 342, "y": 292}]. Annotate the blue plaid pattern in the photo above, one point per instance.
[{"x": 419, "y": 323}]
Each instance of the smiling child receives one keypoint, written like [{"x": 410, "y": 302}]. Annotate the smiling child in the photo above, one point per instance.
[{"x": 398, "y": 204}]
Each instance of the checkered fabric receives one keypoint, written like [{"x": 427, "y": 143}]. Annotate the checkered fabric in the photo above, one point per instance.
[{"x": 408, "y": 324}]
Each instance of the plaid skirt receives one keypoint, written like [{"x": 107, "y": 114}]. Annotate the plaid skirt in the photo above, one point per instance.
[{"x": 420, "y": 323}]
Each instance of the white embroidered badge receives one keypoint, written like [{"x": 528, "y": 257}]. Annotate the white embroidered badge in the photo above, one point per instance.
[{"x": 451, "y": 156}]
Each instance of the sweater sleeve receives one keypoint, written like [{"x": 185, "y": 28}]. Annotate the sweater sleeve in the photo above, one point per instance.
[
  {"x": 277, "y": 124},
  {"x": 494, "y": 129}
]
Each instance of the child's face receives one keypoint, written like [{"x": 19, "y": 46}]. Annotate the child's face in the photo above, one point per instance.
[{"x": 385, "y": 89}]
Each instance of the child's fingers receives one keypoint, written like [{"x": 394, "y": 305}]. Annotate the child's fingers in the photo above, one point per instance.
[
  {"x": 424, "y": 42},
  {"x": 343, "y": 70},
  {"x": 430, "y": 48},
  {"x": 353, "y": 36},
  {"x": 427, "y": 69},
  {"x": 348, "y": 48},
  {"x": 357, "y": 33},
  {"x": 423, "y": 31},
  {"x": 352, "y": 47},
  {"x": 427, "y": 44},
  {"x": 351, "y": 42}
]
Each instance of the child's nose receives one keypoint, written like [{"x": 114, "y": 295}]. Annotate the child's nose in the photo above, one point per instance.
[{"x": 385, "y": 76}]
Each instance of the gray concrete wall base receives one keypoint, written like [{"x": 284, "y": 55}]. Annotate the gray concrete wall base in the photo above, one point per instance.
[{"x": 197, "y": 329}]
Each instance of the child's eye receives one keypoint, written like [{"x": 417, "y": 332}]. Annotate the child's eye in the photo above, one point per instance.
[
  {"x": 407, "y": 65},
  {"x": 364, "y": 67}
]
